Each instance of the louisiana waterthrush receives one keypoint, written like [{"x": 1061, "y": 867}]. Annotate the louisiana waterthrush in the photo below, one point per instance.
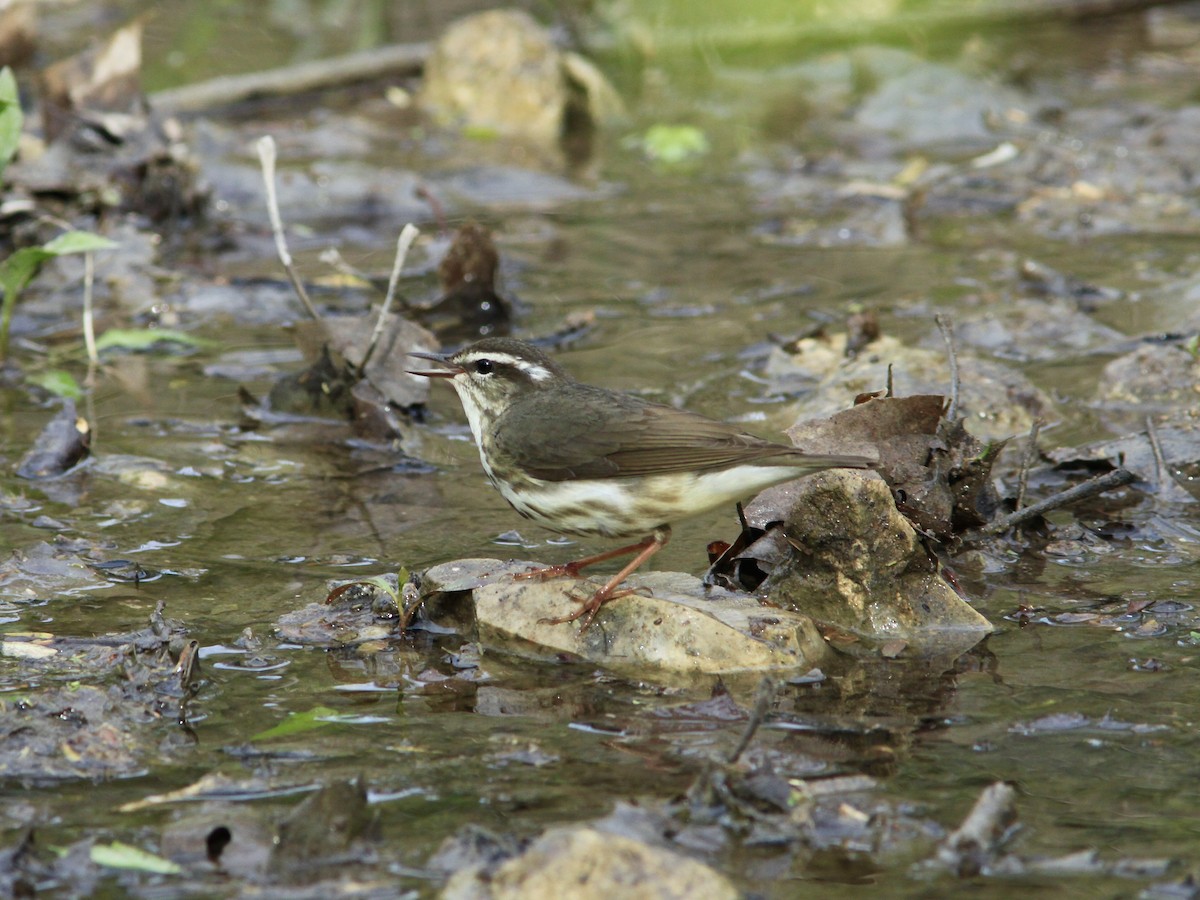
[{"x": 580, "y": 459}]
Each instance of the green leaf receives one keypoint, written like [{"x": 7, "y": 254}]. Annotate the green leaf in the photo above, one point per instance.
[
  {"x": 19, "y": 269},
  {"x": 11, "y": 117},
  {"x": 673, "y": 144},
  {"x": 297, "y": 723},
  {"x": 142, "y": 339},
  {"x": 77, "y": 242},
  {"x": 57, "y": 382},
  {"x": 118, "y": 855}
]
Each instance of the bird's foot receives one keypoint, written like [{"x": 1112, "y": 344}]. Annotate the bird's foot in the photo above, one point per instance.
[{"x": 588, "y": 607}]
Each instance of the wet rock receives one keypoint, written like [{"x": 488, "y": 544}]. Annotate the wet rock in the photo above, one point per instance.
[
  {"x": 861, "y": 567},
  {"x": 1154, "y": 376},
  {"x": 1167, "y": 478},
  {"x": 935, "y": 105},
  {"x": 500, "y": 71},
  {"x": 326, "y": 827},
  {"x": 473, "y": 847},
  {"x": 995, "y": 401},
  {"x": 43, "y": 570},
  {"x": 588, "y": 864},
  {"x": 232, "y": 838},
  {"x": 672, "y": 625},
  {"x": 1041, "y": 330}
]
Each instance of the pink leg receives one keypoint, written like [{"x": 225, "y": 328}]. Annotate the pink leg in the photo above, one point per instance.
[
  {"x": 646, "y": 549},
  {"x": 574, "y": 567}
]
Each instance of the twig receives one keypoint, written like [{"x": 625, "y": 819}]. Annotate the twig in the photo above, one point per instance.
[
  {"x": 1092, "y": 486},
  {"x": 890, "y": 383},
  {"x": 266, "y": 155},
  {"x": 383, "y": 62},
  {"x": 89, "y": 339},
  {"x": 89, "y": 322},
  {"x": 1168, "y": 487},
  {"x": 947, "y": 329},
  {"x": 764, "y": 695},
  {"x": 407, "y": 235},
  {"x": 1026, "y": 462},
  {"x": 975, "y": 843}
]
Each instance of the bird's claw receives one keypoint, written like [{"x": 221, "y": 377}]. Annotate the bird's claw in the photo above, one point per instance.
[{"x": 590, "y": 606}]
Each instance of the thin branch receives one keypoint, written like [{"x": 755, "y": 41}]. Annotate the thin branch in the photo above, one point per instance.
[
  {"x": 947, "y": 329},
  {"x": 266, "y": 156},
  {"x": 764, "y": 696},
  {"x": 392, "y": 61},
  {"x": 1168, "y": 487},
  {"x": 407, "y": 235},
  {"x": 1089, "y": 488},
  {"x": 89, "y": 321},
  {"x": 1027, "y": 461}
]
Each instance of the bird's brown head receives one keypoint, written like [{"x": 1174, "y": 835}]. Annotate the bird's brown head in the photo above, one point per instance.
[{"x": 489, "y": 375}]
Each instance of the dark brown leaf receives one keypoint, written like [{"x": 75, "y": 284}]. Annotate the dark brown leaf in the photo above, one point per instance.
[{"x": 63, "y": 443}]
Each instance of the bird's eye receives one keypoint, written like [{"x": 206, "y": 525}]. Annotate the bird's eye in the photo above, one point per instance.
[{"x": 484, "y": 366}]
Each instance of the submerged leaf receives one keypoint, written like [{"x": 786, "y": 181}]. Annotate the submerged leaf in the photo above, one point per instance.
[
  {"x": 57, "y": 382},
  {"x": 297, "y": 723},
  {"x": 119, "y": 855},
  {"x": 141, "y": 339}
]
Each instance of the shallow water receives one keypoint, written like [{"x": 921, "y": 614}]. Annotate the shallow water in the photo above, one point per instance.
[{"x": 250, "y": 524}]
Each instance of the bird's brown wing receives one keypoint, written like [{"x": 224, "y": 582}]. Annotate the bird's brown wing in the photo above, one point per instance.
[{"x": 589, "y": 432}]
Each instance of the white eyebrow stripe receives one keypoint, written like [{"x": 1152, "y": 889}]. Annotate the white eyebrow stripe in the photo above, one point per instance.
[{"x": 533, "y": 370}]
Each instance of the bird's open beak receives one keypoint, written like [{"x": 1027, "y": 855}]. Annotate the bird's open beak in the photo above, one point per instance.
[{"x": 449, "y": 372}]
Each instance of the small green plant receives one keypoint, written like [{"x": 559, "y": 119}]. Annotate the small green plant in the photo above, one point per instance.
[{"x": 18, "y": 270}]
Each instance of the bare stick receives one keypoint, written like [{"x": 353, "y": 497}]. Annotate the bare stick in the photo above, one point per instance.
[
  {"x": 977, "y": 841},
  {"x": 383, "y": 62},
  {"x": 1030, "y": 453},
  {"x": 407, "y": 235},
  {"x": 1089, "y": 488},
  {"x": 764, "y": 695},
  {"x": 266, "y": 155},
  {"x": 947, "y": 329},
  {"x": 1168, "y": 487},
  {"x": 89, "y": 322}
]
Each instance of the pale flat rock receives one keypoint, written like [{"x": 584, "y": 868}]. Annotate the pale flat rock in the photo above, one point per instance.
[
  {"x": 587, "y": 864},
  {"x": 673, "y": 624}
]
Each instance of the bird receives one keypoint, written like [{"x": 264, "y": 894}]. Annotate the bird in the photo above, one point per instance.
[{"x": 584, "y": 460}]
